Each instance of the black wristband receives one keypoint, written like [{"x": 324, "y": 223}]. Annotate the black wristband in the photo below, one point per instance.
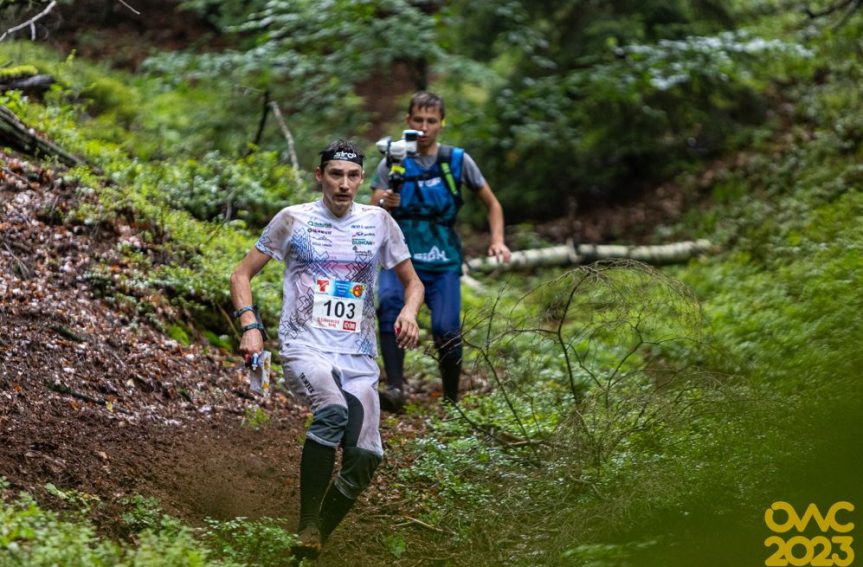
[
  {"x": 254, "y": 325},
  {"x": 242, "y": 310}
]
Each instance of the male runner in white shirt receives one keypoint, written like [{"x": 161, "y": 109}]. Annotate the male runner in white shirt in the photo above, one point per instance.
[{"x": 332, "y": 250}]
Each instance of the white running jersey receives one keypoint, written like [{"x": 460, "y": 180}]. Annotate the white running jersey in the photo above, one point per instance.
[{"x": 331, "y": 271}]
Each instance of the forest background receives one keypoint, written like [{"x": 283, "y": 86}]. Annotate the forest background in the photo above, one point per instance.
[{"x": 619, "y": 414}]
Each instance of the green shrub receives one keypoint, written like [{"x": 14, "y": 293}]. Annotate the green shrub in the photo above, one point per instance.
[
  {"x": 250, "y": 542},
  {"x": 30, "y": 535},
  {"x": 106, "y": 95}
]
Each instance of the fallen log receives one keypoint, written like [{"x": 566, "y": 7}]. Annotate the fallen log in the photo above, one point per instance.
[
  {"x": 569, "y": 253},
  {"x": 18, "y": 136},
  {"x": 35, "y": 84}
]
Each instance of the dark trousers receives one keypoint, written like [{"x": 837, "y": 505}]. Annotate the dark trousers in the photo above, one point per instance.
[{"x": 443, "y": 298}]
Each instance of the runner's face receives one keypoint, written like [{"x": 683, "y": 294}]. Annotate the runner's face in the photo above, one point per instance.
[
  {"x": 340, "y": 180},
  {"x": 428, "y": 120}
]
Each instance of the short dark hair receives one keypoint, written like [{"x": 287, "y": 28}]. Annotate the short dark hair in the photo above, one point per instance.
[
  {"x": 425, "y": 99},
  {"x": 341, "y": 146}
]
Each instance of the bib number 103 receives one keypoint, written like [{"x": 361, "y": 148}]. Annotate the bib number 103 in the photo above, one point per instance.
[
  {"x": 338, "y": 305},
  {"x": 336, "y": 308}
]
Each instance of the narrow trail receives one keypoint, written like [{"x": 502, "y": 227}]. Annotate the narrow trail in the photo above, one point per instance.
[{"x": 94, "y": 398}]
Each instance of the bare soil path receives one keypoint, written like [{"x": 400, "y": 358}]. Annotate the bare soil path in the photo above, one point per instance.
[{"x": 95, "y": 399}]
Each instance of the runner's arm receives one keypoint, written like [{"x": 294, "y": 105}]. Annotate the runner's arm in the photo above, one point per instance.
[
  {"x": 382, "y": 190},
  {"x": 241, "y": 296},
  {"x": 385, "y": 198},
  {"x": 497, "y": 247},
  {"x": 407, "y": 329}
]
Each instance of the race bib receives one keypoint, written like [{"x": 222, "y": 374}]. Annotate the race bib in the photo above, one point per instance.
[{"x": 338, "y": 305}]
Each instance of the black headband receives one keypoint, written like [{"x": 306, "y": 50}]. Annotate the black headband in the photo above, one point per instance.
[{"x": 342, "y": 155}]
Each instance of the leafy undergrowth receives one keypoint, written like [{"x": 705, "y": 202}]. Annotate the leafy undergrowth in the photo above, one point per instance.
[
  {"x": 703, "y": 431},
  {"x": 32, "y": 535},
  {"x": 188, "y": 210},
  {"x": 628, "y": 416}
]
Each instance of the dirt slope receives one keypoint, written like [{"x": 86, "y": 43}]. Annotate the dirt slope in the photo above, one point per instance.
[{"x": 94, "y": 399}]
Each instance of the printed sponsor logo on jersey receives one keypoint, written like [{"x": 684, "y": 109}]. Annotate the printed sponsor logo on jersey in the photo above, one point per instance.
[
  {"x": 433, "y": 255},
  {"x": 344, "y": 288},
  {"x": 306, "y": 383},
  {"x": 313, "y": 222},
  {"x": 341, "y": 288},
  {"x": 327, "y": 322},
  {"x": 363, "y": 227},
  {"x": 361, "y": 242}
]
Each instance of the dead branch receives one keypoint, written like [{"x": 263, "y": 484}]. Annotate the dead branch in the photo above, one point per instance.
[
  {"x": 133, "y": 10},
  {"x": 17, "y": 135},
  {"x": 261, "y": 123},
  {"x": 25, "y": 271},
  {"x": 67, "y": 333},
  {"x": 814, "y": 14},
  {"x": 31, "y": 23},
  {"x": 569, "y": 253},
  {"x": 501, "y": 437},
  {"x": 411, "y": 520},
  {"x": 280, "y": 120},
  {"x": 67, "y": 391},
  {"x": 33, "y": 83},
  {"x": 842, "y": 4}
]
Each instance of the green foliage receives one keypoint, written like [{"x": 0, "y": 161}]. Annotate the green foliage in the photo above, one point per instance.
[
  {"x": 17, "y": 71},
  {"x": 156, "y": 118},
  {"x": 637, "y": 113},
  {"x": 581, "y": 384},
  {"x": 311, "y": 54},
  {"x": 30, "y": 535},
  {"x": 107, "y": 95},
  {"x": 218, "y": 341},
  {"x": 256, "y": 418},
  {"x": 621, "y": 412},
  {"x": 144, "y": 514},
  {"x": 595, "y": 338},
  {"x": 78, "y": 501},
  {"x": 249, "y": 542},
  {"x": 395, "y": 544},
  {"x": 453, "y": 468},
  {"x": 754, "y": 402},
  {"x": 603, "y": 554},
  {"x": 172, "y": 256},
  {"x": 180, "y": 550},
  {"x": 179, "y": 334},
  {"x": 249, "y": 190}
]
